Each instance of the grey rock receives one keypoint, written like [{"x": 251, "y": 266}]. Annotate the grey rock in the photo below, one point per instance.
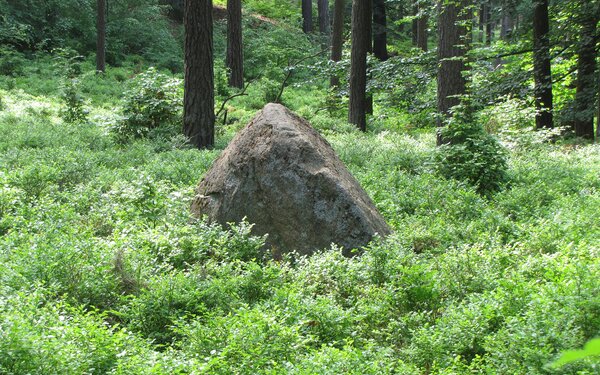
[{"x": 281, "y": 175}]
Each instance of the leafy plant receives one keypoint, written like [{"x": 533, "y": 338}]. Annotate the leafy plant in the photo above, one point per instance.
[
  {"x": 151, "y": 105},
  {"x": 68, "y": 62},
  {"x": 471, "y": 154}
]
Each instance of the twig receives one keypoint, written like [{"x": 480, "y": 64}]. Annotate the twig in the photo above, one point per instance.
[
  {"x": 289, "y": 71},
  {"x": 241, "y": 93}
]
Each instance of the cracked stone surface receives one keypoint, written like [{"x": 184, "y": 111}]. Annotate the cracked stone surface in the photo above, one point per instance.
[{"x": 281, "y": 175}]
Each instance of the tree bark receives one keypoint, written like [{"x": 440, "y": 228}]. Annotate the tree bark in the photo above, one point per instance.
[
  {"x": 488, "y": 24},
  {"x": 422, "y": 33},
  {"x": 507, "y": 26},
  {"x": 361, "y": 40},
  {"x": 452, "y": 49},
  {"x": 415, "y": 24},
  {"x": 323, "y": 9},
  {"x": 542, "y": 74},
  {"x": 337, "y": 40},
  {"x": 235, "y": 58},
  {"x": 380, "y": 30},
  {"x": 585, "y": 95},
  {"x": 101, "y": 36},
  {"x": 307, "y": 24},
  {"x": 481, "y": 23},
  {"x": 199, "y": 111}
]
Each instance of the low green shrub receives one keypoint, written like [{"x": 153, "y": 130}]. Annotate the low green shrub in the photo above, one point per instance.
[
  {"x": 470, "y": 154},
  {"x": 151, "y": 107}
]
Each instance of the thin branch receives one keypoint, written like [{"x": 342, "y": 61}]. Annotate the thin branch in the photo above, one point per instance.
[
  {"x": 241, "y": 93},
  {"x": 290, "y": 70}
]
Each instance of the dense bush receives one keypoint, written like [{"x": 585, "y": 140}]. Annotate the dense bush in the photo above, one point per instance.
[
  {"x": 153, "y": 103},
  {"x": 470, "y": 154}
]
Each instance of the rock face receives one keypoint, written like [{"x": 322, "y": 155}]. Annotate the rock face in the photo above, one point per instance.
[{"x": 281, "y": 175}]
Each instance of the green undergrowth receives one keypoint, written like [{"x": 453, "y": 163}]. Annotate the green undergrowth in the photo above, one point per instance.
[{"x": 102, "y": 270}]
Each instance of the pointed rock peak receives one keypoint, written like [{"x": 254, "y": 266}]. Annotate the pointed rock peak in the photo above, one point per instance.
[{"x": 281, "y": 175}]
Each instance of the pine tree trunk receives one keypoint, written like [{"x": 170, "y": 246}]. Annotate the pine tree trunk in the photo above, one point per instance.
[
  {"x": 415, "y": 26},
  {"x": 198, "y": 111},
  {"x": 585, "y": 95},
  {"x": 101, "y": 36},
  {"x": 542, "y": 74},
  {"x": 380, "y": 30},
  {"x": 507, "y": 26},
  {"x": 235, "y": 58},
  {"x": 481, "y": 23},
  {"x": 361, "y": 39},
  {"x": 452, "y": 49},
  {"x": 337, "y": 40},
  {"x": 323, "y": 9},
  {"x": 307, "y": 24},
  {"x": 488, "y": 25},
  {"x": 422, "y": 34}
]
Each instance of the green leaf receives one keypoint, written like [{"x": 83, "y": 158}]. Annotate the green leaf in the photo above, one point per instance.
[{"x": 591, "y": 348}]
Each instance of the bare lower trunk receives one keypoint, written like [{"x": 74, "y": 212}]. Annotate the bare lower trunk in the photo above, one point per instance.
[
  {"x": 323, "y": 9},
  {"x": 198, "y": 112},
  {"x": 585, "y": 95},
  {"x": 380, "y": 30},
  {"x": 101, "y": 36},
  {"x": 422, "y": 32},
  {"x": 361, "y": 39},
  {"x": 337, "y": 40},
  {"x": 235, "y": 59},
  {"x": 307, "y": 25},
  {"x": 452, "y": 49},
  {"x": 541, "y": 65}
]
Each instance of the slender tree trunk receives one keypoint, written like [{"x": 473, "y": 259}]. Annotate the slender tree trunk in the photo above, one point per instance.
[
  {"x": 488, "y": 25},
  {"x": 481, "y": 23},
  {"x": 337, "y": 40},
  {"x": 307, "y": 24},
  {"x": 415, "y": 23},
  {"x": 361, "y": 39},
  {"x": 235, "y": 58},
  {"x": 369, "y": 98},
  {"x": 323, "y": 9},
  {"x": 422, "y": 33},
  {"x": 380, "y": 30},
  {"x": 101, "y": 36},
  {"x": 542, "y": 74},
  {"x": 585, "y": 95},
  {"x": 507, "y": 26},
  {"x": 198, "y": 111},
  {"x": 452, "y": 49},
  {"x": 598, "y": 114}
]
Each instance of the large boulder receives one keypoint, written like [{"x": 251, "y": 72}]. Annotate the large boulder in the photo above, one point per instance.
[{"x": 281, "y": 175}]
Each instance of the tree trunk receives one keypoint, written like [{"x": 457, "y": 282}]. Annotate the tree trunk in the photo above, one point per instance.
[
  {"x": 379, "y": 30},
  {"x": 307, "y": 24},
  {"x": 481, "y": 23},
  {"x": 542, "y": 74},
  {"x": 361, "y": 39},
  {"x": 337, "y": 40},
  {"x": 198, "y": 99},
  {"x": 488, "y": 25},
  {"x": 415, "y": 24},
  {"x": 452, "y": 49},
  {"x": 422, "y": 33},
  {"x": 101, "y": 36},
  {"x": 323, "y": 9},
  {"x": 507, "y": 26},
  {"x": 235, "y": 58},
  {"x": 585, "y": 95}
]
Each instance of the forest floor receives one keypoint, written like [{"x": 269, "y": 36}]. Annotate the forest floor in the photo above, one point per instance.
[{"x": 102, "y": 270}]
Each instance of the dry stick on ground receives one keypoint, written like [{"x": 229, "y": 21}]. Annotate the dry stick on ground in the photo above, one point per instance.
[{"x": 290, "y": 70}]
